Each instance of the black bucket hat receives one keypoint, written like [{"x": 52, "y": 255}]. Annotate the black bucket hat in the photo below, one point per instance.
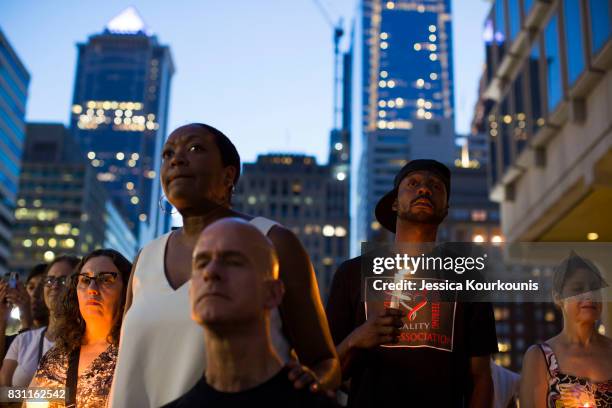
[{"x": 384, "y": 211}]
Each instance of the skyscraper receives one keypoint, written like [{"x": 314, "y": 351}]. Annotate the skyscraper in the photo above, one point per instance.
[
  {"x": 14, "y": 80},
  {"x": 61, "y": 207},
  {"x": 404, "y": 94},
  {"x": 307, "y": 198},
  {"x": 119, "y": 116}
]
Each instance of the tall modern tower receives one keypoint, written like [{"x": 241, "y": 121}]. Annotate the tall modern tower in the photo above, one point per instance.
[
  {"x": 403, "y": 94},
  {"x": 119, "y": 116},
  {"x": 14, "y": 80}
]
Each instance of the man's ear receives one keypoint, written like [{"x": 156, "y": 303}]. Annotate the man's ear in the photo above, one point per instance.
[
  {"x": 275, "y": 289},
  {"x": 229, "y": 176}
]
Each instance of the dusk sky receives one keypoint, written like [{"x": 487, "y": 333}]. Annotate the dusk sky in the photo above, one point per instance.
[{"x": 261, "y": 71}]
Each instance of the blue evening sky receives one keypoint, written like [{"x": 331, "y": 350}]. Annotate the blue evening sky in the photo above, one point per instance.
[{"x": 261, "y": 71}]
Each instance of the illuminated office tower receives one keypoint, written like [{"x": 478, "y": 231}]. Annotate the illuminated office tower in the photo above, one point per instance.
[
  {"x": 14, "y": 81},
  {"x": 62, "y": 208},
  {"x": 119, "y": 116},
  {"x": 403, "y": 96},
  {"x": 307, "y": 198}
]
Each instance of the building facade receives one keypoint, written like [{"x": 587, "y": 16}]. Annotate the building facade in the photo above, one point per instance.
[
  {"x": 62, "y": 208},
  {"x": 305, "y": 197},
  {"x": 545, "y": 106},
  {"x": 403, "y": 82},
  {"x": 119, "y": 117},
  {"x": 14, "y": 80}
]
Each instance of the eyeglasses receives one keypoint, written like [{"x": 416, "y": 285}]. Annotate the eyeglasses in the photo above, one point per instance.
[
  {"x": 52, "y": 281},
  {"x": 102, "y": 279}
]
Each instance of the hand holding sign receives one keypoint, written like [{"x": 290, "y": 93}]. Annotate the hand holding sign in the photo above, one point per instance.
[{"x": 379, "y": 329}]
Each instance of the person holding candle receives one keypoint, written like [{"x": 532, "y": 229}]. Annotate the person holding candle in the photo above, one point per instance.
[
  {"x": 574, "y": 368},
  {"x": 451, "y": 367}
]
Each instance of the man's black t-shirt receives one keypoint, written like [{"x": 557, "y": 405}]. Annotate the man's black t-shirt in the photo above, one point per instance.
[
  {"x": 278, "y": 391},
  {"x": 409, "y": 376}
]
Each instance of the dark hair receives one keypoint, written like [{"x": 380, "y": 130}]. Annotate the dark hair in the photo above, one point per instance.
[
  {"x": 229, "y": 154},
  {"x": 71, "y": 260},
  {"x": 70, "y": 319},
  {"x": 37, "y": 270}
]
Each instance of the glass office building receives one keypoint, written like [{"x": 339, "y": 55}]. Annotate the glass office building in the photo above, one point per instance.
[
  {"x": 14, "y": 80},
  {"x": 119, "y": 116},
  {"x": 545, "y": 105},
  {"x": 403, "y": 94}
]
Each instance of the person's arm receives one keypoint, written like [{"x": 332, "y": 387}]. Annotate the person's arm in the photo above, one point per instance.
[
  {"x": 20, "y": 298},
  {"x": 534, "y": 379},
  {"x": 302, "y": 312},
  {"x": 482, "y": 381},
  {"x": 129, "y": 295},
  {"x": 10, "y": 363},
  {"x": 377, "y": 330},
  {"x": 4, "y": 314}
]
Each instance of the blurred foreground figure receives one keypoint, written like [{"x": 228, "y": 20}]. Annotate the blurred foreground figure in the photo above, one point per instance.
[
  {"x": 574, "y": 368},
  {"x": 234, "y": 288}
]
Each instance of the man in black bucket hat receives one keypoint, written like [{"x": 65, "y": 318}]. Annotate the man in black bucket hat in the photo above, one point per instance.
[{"x": 457, "y": 375}]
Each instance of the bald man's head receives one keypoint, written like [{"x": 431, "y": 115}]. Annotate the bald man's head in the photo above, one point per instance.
[{"x": 234, "y": 274}]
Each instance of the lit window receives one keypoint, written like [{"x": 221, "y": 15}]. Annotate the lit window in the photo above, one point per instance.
[
  {"x": 399, "y": 102},
  {"x": 27, "y": 243},
  {"x": 433, "y": 57},
  {"x": 433, "y": 38},
  {"x": 384, "y": 45},
  {"x": 479, "y": 215},
  {"x": 382, "y": 114},
  {"x": 252, "y": 200},
  {"x": 417, "y": 47},
  {"x": 433, "y": 76},
  {"x": 120, "y": 156},
  {"x": 391, "y": 84},
  {"x": 341, "y": 176},
  {"x": 135, "y": 156},
  {"x": 77, "y": 109},
  {"x": 129, "y": 185},
  {"x": 390, "y": 5},
  {"x": 384, "y": 74},
  {"x": 328, "y": 231},
  {"x": 391, "y": 104},
  {"x": 62, "y": 229},
  {"x": 420, "y": 82},
  {"x": 91, "y": 155},
  {"x": 428, "y": 115},
  {"x": 142, "y": 217},
  {"x": 134, "y": 200},
  {"x": 382, "y": 84},
  {"x": 49, "y": 256},
  {"x": 40, "y": 242},
  {"x": 420, "y": 101},
  {"x": 382, "y": 104},
  {"x": 432, "y": 28},
  {"x": 478, "y": 238},
  {"x": 338, "y": 146},
  {"x": 384, "y": 36},
  {"x": 382, "y": 124}
]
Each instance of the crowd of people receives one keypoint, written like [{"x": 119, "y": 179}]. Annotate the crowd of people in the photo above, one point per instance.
[{"x": 225, "y": 311}]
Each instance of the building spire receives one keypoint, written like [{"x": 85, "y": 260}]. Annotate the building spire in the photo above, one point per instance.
[{"x": 127, "y": 22}]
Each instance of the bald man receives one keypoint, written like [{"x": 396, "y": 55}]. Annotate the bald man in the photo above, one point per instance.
[{"x": 234, "y": 286}]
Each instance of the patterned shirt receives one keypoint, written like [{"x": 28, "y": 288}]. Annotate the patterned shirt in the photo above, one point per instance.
[{"x": 93, "y": 385}]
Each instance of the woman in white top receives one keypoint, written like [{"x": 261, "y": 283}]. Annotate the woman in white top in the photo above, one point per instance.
[
  {"x": 160, "y": 353},
  {"x": 26, "y": 350}
]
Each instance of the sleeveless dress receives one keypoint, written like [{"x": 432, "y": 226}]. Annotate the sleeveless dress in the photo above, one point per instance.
[
  {"x": 569, "y": 391},
  {"x": 161, "y": 350}
]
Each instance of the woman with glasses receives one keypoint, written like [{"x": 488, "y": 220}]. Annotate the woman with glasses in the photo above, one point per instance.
[
  {"x": 27, "y": 349},
  {"x": 83, "y": 359}
]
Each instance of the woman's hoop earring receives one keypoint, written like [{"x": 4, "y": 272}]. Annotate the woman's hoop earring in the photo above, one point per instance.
[{"x": 162, "y": 206}]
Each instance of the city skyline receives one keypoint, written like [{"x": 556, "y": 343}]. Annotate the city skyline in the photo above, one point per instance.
[{"x": 287, "y": 127}]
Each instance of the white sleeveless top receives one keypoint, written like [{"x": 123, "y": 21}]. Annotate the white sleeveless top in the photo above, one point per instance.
[{"x": 161, "y": 350}]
